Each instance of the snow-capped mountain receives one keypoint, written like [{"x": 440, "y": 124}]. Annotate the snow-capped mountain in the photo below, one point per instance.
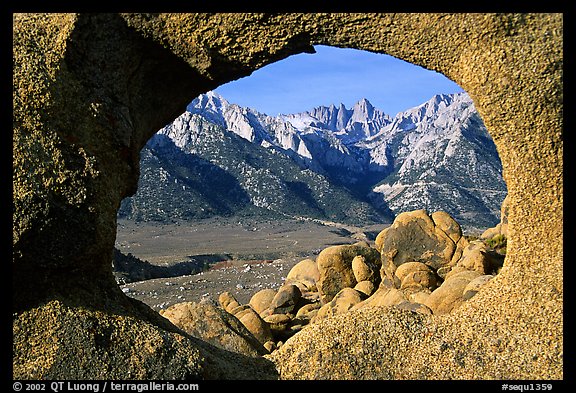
[
  {"x": 436, "y": 156},
  {"x": 348, "y": 125},
  {"x": 195, "y": 168},
  {"x": 322, "y": 139},
  {"x": 445, "y": 160}
]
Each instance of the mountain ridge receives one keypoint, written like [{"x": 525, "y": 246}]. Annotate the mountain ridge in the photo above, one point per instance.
[{"x": 431, "y": 156}]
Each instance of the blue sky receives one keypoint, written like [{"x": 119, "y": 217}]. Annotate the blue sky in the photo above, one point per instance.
[{"x": 333, "y": 76}]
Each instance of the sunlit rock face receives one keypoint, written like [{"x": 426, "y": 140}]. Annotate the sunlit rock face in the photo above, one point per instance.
[{"x": 89, "y": 90}]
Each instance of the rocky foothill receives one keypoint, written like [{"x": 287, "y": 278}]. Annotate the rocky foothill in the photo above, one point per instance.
[{"x": 422, "y": 263}]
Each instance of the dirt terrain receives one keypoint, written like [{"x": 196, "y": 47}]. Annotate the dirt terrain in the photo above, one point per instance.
[{"x": 245, "y": 255}]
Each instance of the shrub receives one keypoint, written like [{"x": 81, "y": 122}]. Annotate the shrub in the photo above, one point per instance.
[{"x": 498, "y": 243}]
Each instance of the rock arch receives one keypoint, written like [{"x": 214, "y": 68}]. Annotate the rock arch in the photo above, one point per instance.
[{"x": 90, "y": 89}]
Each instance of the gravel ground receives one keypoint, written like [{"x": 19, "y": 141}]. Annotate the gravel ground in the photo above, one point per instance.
[
  {"x": 241, "y": 278},
  {"x": 262, "y": 253}
]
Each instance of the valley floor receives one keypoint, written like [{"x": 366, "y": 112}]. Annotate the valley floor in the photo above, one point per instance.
[{"x": 254, "y": 254}]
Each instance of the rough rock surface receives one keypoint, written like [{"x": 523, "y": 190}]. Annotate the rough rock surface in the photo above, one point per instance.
[
  {"x": 90, "y": 89},
  {"x": 210, "y": 323},
  {"x": 502, "y": 227},
  {"x": 414, "y": 236},
  {"x": 305, "y": 272},
  {"x": 335, "y": 267},
  {"x": 120, "y": 345}
]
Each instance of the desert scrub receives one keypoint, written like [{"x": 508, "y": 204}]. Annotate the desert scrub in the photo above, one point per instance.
[{"x": 498, "y": 243}]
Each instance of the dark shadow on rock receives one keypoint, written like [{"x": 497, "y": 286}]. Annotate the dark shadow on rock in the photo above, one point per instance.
[{"x": 97, "y": 332}]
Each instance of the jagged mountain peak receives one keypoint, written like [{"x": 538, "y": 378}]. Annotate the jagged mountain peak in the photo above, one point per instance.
[
  {"x": 441, "y": 102},
  {"x": 363, "y": 106},
  {"x": 350, "y": 126},
  {"x": 209, "y": 101},
  {"x": 436, "y": 155}
]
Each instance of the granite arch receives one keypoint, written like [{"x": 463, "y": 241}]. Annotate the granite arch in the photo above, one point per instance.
[{"x": 90, "y": 89}]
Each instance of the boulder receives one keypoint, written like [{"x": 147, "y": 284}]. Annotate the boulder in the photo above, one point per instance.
[
  {"x": 254, "y": 323},
  {"x": 295, "y": 325},
  {"x": 305, "y": 272},
  {"x": 366, "y": 287},
  {"x": 416, "y": 274},
  {"x": 342, "y": 302},
  {"x": 279, "y": 324},
  {"x": 420, "y": 279},
  {"x": 308, "y": 311},
  {"x": 414, "y": 236},
  {"x": 379, "y": 241},
  {"x": 443, "y": 271},
  {"x": 502, "y": 227},
  {"x": 406, "y": 268},
  {"x": 475, "y": 257},
  {"x": 365, "y": 270},
  {"x": 310, "y": 297},
  {"x": 228, "y": 301},
  {"x": 460, "y": 246},
  {"x": 450, "y": 295},
  {"x": 447, "y": 224},
  {"x": 491, "y": 232},
  {"x": 262, "y": 299},
  {"x": 335, "y": 267},
  {"x": 207, "y": 321},
  {"x": 384, "y": 296},
  {"x": 286, "y": 299},
  {"x": 418, "y": 296}
]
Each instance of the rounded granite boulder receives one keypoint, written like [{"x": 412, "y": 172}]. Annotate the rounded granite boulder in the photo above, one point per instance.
[
  {"x": 304, "y": 272},
  {"x": 335, "y": 267}
]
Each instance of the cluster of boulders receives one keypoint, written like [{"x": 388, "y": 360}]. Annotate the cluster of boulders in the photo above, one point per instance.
[{"x": 421, "y": 263}]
